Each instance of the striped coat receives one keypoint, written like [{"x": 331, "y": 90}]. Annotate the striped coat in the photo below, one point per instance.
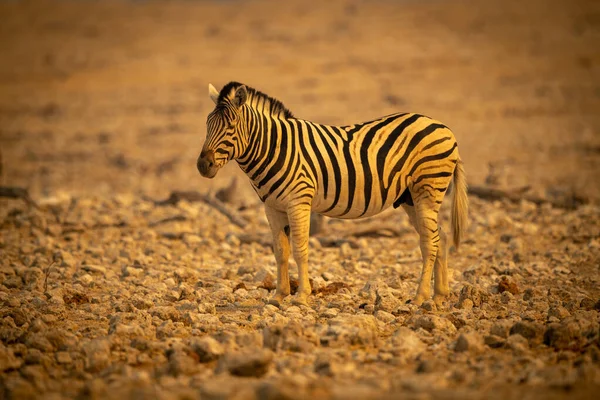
[{"x": 298, "y": 166}]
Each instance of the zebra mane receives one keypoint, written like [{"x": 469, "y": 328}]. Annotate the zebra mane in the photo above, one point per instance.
[{"x": 277, "y": 107}]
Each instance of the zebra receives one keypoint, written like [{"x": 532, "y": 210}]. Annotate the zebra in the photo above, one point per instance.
[{"x": 297, "y": 167}]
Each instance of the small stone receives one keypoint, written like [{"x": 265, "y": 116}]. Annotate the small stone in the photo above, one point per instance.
[
  {"x": 528, "y": 330},
  {"x": 432, "y": 322},
  {"x": 94, "y": 269},
  {"x": 466, "y": 304},
  {"x": 13, "y": 282},
  {"x": 39, "y": 341},
  {"x": 180, "y": 363},
  {"x": 407, "y": 343},
  {"x": 501, "y": 329},
  {"x": 207, "y": 348},
  {"x": 469, "y": 341},
  {"x": 386, "y": 301},
  {"x": 529, "y": 294},
  {"x": 98, "y": 354},
  {"x": 8, "y": 360},
  {"x": 507, "y": 297},
  {"x": 494, "y": 341},
  {"x": 384, "y": 316},
  {"x": 474, "y": 294},
  {"x": 429, "y": 305},
  {"x": 558, "y": 312},
  {"x": 246, "y": 364},
  {"x": 507, "y": 285},
  {"x": 518, "y": 344},
  {"x": 587, "y": 304},
  {"x": 330, "y": 313},
  {"x": 351, "y": 329},
  {"x": 329, "y": 366},
  {"x": 62, "y": 357}
]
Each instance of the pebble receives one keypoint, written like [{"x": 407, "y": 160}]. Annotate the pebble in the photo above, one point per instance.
[
  {"x": 469, "y": 341},
  {"x": 246, "y": 364},
  {"x": 407, "y": 343},
  {"x": 472, "y": 293},
  {"x": 431, "y": 323},
  {"x": 98, "y": 354}
]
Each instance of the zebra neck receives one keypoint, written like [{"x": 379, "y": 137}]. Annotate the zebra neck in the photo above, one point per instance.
[{"x": 264, "y": 139}]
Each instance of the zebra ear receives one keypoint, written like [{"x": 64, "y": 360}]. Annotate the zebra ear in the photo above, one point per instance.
[
  {"x": 213, "y": 93},
  {"x": 241, "y": 95}
]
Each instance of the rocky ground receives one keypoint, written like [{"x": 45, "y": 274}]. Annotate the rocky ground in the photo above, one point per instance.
[
  {"x": 108, "y": 291},
  {"x": 118, "y": 295}
]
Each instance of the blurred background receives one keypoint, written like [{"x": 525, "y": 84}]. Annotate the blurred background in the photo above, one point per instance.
[{"x": 101, "y": 97}]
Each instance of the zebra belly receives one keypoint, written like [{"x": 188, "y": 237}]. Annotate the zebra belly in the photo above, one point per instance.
[{"x": 358, "y": 208}]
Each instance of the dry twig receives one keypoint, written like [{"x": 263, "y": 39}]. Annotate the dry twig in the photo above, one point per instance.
[
  {"x": 177, "y": 196},
  {"x": 516, "y": 195}
]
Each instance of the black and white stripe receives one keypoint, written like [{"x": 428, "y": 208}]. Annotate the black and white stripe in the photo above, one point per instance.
[{"x": 298, "y": 166}]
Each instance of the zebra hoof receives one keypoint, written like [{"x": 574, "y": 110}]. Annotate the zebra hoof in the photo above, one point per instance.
[
  {"x": 439, "y": 300},
  {"x": 300, "y": 300},
  {"x": 417, "y": 301}
]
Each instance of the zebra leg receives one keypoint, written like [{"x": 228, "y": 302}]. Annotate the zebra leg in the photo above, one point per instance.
[
  {"x": 426, "y": 210},
  {"x": 299, "y": 217},
  {"x": 441, "y": 289},
  {"x": 278, "y": 221}
]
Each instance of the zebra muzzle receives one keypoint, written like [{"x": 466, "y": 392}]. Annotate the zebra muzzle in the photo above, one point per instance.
[{"x": 206, "y": 164}]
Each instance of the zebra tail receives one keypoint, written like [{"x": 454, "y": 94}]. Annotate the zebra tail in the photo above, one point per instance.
[{"x": 460, "y": 203}]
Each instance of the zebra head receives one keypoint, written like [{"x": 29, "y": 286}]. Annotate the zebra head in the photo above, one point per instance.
[{"x": 224, "y": 131}]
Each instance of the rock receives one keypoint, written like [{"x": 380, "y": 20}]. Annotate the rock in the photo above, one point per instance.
[
  {"x": 529, "y": 294},
  {"x": 293, "y": 336},
  {"x": 558, "y": 312},
  {"x": 472, "y": 293},
  {"x": 506, "y": 297},
  {"x": 97, "y": 354},
  {"x": 572, "y": 333},
  {"x": 507, "y": 285},
  {"x": 39, "y": 341},
  {"x": 518, "y": 344},
  {"x": 180, "y": 363},
  {"x": 246, "y": 364},
  {"x": 494, "y": 341},
  {"x": 62, "y": 357},
  {"x": 13, "y": 282},
  {"x": 326, "y": 365},
  {"x": 207, "y": 348},
  {"x": 141, "y": 302},
  {"x": 8, "y": 360},
  {"x": 407, "y": 343},
  {"x": 384, "y": 316},
  {"x": 347, "y": 329},
  {"x": 431, "y": 323},
  {"x": 94, "y": 269},
  {"x": 386, "y": 301},
  {"x": 166, "y": 313},
  {"x": 267, "y": 279},
  {"x": 466, "y": 304},
  {"x": 501, "y": 329},
  {"x": 469, "y": 341},
  {"x": 330, "y": 313},
  {"x": 429, "y": 305},
  {"x": 529, "y": 330},
  {"x": 587, "y": 304}
]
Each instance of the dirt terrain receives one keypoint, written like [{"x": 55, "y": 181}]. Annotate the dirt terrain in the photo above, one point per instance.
[{"x": 108, "y": 291}]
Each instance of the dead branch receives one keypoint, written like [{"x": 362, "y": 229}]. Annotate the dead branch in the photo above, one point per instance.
[
  {"x": 519, "y": 194},
  {"x": 18, "y": 193},
  {"x": 177, "y": 196},
  {"x": 173, "y": 218}
]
